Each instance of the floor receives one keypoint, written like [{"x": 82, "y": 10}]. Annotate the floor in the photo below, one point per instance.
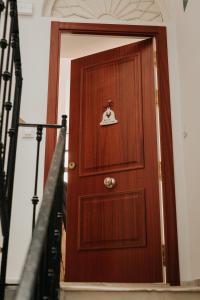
[
  {"x": 10, "y": 291},
  {"x": 120, "y": 291},
  {"x": 82, "y": 291}
]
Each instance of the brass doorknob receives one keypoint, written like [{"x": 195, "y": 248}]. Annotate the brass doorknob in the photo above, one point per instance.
[
  {"x": 71, "y": 165},
  {"x": 109, "y": 182}
]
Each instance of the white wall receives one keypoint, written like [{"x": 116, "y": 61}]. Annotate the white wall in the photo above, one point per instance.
[
  {"x": 35, "y": 37},
  {"x": 188, "y": 42},
  {"x": 64, "y": 87},
  {"x": 184, "y": 49}
]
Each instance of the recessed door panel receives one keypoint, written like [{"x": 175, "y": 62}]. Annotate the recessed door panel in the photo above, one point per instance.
[
  {"x": 112, "y": 221},
  {"x": 118, "y": 81}
]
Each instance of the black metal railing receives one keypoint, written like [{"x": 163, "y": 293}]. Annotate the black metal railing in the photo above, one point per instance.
[
  {"x": 39, "y": 134},
  {"x": 41, "y": 274},
  {"x": 10, "y": 101}
]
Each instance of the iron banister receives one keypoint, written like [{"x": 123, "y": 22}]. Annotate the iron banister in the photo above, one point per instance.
[{"x": 26, "y": 288}]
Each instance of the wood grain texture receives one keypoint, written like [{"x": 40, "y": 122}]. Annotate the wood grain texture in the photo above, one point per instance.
[
  {"x": 131, "y": 88},
  {"x": 166, "y": 134},
  {"x": 117, "y": 220},
  {"x": 118, "y": 81}
]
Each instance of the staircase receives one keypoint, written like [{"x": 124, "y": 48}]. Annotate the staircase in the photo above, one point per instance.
[
  {"x": 10, "y": 292},
  {"x": 120, "y": 291}
]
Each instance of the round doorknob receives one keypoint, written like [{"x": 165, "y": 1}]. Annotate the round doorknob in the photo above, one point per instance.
[
  {"x": 71, "y": 165},
  {"x": 109, "y": 182}
]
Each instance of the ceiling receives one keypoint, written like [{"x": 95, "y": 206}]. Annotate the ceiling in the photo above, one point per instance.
[{"x": 79, "y": 45}]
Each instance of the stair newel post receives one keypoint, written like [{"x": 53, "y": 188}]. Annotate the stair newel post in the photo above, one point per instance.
[
  {"x": 35, "y": 198},
  {"x": 64, "y": 122}
]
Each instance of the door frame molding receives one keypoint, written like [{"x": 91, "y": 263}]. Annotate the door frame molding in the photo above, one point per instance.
[{"x": 159, "y": 33}]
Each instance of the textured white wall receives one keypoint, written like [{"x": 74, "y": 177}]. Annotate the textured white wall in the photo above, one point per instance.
[
  {"x": 184, "y": 49},
  {"x": 188, "y": 41}
]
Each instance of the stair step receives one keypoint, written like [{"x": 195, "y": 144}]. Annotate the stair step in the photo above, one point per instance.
[
  {"x": 10, "y": 292},
  {"x": 123, "y": 291}
]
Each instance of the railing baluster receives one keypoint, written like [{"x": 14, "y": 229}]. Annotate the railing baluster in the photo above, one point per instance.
[
  {"x": 7, "y": 77},
  {"x": 2, "y": 6},
  {"x": 35, "y": 198},
  {"x": 10, "y": 60},
  {"x": 3, "y": 45},
  {"x": 8, "y": 107},
  {"x": 13, "y": 133}
]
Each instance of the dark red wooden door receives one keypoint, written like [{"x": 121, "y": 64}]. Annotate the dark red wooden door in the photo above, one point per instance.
[{"x": 113, "y": 234}]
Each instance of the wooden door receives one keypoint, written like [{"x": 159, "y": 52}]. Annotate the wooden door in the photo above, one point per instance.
[{"x": 113, "y": 234}]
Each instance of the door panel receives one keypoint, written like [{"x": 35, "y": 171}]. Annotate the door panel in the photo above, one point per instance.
[
  {"x": 112, "y": 221},
  {"x": 113, "y": 234},
  {"x": 112, "y": 81}
]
